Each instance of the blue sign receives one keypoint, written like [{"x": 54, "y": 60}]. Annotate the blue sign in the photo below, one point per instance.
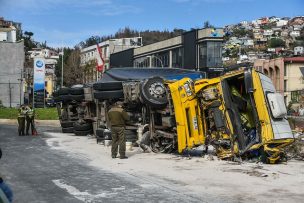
[{"x": 39, "y": 64}]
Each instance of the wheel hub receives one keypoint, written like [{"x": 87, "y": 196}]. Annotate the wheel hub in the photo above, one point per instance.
[{"x": 157, "y": 90}]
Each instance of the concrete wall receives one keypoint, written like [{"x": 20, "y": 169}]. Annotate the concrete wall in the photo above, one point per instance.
[
  {"x": 294, "y": 79},
  {"x": 274, "y": 69},
  {"x": 11, "y": 66},
  {"x": 166, "y": 44}
]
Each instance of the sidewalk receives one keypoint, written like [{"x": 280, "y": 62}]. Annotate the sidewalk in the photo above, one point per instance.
[{"x": 51, "y": 123}]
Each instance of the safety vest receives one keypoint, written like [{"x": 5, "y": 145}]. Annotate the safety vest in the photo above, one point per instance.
[
  {"x": 30, "y": 113},
  {"x": 22, "y": 112}
]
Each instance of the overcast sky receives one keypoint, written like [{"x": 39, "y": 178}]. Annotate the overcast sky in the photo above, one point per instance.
[{"x": 67, "y": 22}]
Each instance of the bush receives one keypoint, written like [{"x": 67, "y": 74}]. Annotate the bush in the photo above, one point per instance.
[{"x": 276, "y": 42}]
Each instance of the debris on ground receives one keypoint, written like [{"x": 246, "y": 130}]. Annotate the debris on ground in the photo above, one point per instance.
[{"x": 296, "y": 150}]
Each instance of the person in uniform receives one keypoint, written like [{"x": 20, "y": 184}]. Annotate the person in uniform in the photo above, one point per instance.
[
  {"x": 118, "y": 117},
  {"x": 30, "y": 122},
  {"x": 21, "y": 120}
]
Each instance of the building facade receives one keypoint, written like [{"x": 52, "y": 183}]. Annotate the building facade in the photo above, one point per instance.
[
  {"x": 108, "y": 47},
  {"x": 11, "y": 73},
  {"x": 197, "y": 50},
  {"x": 9, "y": 30},
  {"x": 287, "y": 75}
]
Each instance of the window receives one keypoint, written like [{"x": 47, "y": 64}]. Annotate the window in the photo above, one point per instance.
[
  {"x": 210, "y": 54},
  {"x": 285, "y": 85},
  {"x": 295, "y": 96},
  {"x": 177, "y": 58},
  {"x": 285, "y": 71}
]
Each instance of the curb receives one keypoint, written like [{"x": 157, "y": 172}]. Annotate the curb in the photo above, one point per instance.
[{"x": 51, "y": 123}]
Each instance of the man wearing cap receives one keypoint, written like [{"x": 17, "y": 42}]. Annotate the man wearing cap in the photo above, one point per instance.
[{"x": 118, "y": 117}]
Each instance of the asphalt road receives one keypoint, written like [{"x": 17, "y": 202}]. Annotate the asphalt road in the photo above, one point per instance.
[{"x": 37, "y": 173}]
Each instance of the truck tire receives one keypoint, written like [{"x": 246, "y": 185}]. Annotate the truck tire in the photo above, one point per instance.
[
  {"x": 63, "y": 91},
  {"x": 83, "y": 132},
  {"x": 68, "y": 130},
  {"x": 103, "y": 95},
  {"x": 78, "y": 98},
  {"x": 153, "y": 92},
  {"x": 64, "y": 98},
  {"x": 76, "y": 91},
  {"x": 106, "y": 86},
  {"x": 66, "y": 124},
  {"x": 82, "y": 126}
]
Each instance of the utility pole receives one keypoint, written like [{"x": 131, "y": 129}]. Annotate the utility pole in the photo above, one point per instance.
[
  {"x": 10, "y": 93},
  {"x": 62, "y": 67},
  {"x": 21, "y": 79}
]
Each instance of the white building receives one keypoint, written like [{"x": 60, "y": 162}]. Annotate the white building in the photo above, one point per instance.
[
  {"x": 294, "y": 33},
  {"x": 108, "y": 47},
  {"x": 268, "y": 32},
  {"x": 281, "y": 22},
  {"x": 298, "y": 50},
  {"x": 8, "y": 34}
]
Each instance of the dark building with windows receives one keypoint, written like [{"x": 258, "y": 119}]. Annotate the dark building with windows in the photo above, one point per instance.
[{"x": 196, "y": 50}]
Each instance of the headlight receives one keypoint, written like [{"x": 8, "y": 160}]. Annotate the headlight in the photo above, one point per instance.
[{"x": 187, "y": 89}]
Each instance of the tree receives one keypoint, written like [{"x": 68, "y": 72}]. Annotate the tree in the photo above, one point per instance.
[
  {"x": 239, "y": 32},
  {"x": 72, "y": 71},
  {"x": 208, "y": 25},
  {"x": 148, "y": 36},
  {"x": 58, "y": 67},
  {"x": 28, "y": 34},
  {"x": 93, "y": 40},
  {"x": 276, "y": 42}
]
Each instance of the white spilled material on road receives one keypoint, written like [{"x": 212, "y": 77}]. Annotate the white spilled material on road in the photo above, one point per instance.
[
  {"x": 189, "y": 175},
  {"x": 82, "y": 196}
]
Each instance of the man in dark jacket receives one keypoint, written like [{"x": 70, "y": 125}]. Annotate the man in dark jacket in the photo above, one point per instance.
[{"x": 118, "y": 117}]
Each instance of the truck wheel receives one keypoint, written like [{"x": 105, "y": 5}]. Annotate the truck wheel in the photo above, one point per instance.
[
  {"x": 82, "y": 126},
  {"x": 78, "y": 98},
  {"x": 63, "y": 91},
  {"x": 103, "y": 95},
  {"x": 64, "y": 98},
  {"x": 76, "y": 91},
  {"x": 83, "y": 132},
  {"x": 66, "y": 124},
  {"x": 106, "y": 86},
  {"x": 68, "y": 130},
  {"x": 153, "y": 92}
]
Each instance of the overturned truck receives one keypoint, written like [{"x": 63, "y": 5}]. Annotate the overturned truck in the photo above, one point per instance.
[{"x": 239, "y": 114}]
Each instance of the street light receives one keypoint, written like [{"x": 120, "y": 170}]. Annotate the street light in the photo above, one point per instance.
[{"x": 153, "y": 56}]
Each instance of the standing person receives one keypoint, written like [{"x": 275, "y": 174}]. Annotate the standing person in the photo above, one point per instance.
[
  {"x": 118, "y": 117},
  {"x": 301, "y": 111},
  {"x": 30, "y": 122},
  {"x": 21, "y": 120}
]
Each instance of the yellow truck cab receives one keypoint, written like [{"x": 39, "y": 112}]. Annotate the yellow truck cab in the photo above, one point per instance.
[{"x": 239, "y": 113}]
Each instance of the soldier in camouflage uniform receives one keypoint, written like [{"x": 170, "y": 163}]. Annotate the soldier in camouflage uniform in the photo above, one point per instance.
[
  {"x": 118, "y": 117},
  {"x": 21, "y": 120}
]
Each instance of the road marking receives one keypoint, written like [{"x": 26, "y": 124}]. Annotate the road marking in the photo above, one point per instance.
[{"x": 82, "y": 196}]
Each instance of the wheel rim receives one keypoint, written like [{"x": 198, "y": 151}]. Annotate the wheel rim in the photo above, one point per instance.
[{"x": 157, "y": 90}]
